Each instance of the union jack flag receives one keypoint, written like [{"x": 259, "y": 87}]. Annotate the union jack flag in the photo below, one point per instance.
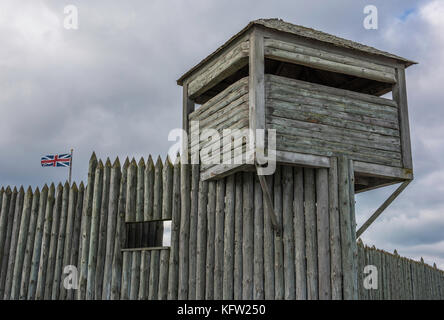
[{"x": 56, "y": 160}]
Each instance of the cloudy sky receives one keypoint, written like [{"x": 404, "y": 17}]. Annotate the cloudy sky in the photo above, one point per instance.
[{"x": 110, "y": 87}]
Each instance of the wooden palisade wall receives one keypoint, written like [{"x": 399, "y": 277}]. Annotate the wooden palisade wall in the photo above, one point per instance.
[{"x": 222, "y": 242}]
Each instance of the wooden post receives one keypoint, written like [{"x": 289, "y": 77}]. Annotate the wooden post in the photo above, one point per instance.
[
  {"x": 95, "y": 227},
  {"x": 68, "y": 237},
  {"x": 140, "y": 190},
  {"x": 248, "y": 236},
  {"x": 157, "y": 208},
  {"x": 219, "y": 239},
  {"x": 135, "y": 275},
  {"x": 130, "y": 215},
  {"x": 21, "y": 245},
  {"x": 76, "y": 241},
  {"x": 299, "y": 234},
  {"x": 116, "y": 276},
  {"x": 400, "y": 96},
  {"x": 86, "y": 228},
  {"x": 184, "y": 229},
  {"x": 257, "y": 88},
  {"x": 46, "y": 237},
  {"x": 268, "y": 245},
  {"x": 167, "y": 189},
  {"x": 346, "y": 211},
  {"x": 323, "y": 231},
  {"x": 5, "y": 216},
  {"x": 35, "y": 261},
  {"x": 58, "y": 269},
  {"x": 310, "y": 234},
  {"x": 238, "y": 220},
  {"x": 52, "y": 255},
  {"x": 173, "y": 277},
  {"x": 126, "y": 274},
  {"x": 279, "y": 281},
  {"x": 101, "y": 248},
  {"x": 195, "y": 173},
  {"x": 113, "y": 213},
  {"x": 211, "y": 230},
  {"x": 6, "y": 223},
  {"x": 258, "y": 266},
  {"x": 26, "y": 269},
  {"x": 154, "y": 275},
  {"x": 288, "y": 232},
  {"x": 163, "y": 274},
  {"x": 228, "y": 270},
  {"x": 150, "y": 231},
  {"x": 144, "y": 274},
  {"x": 201, "y": 240},
  {"x": 335, "y": 231}
]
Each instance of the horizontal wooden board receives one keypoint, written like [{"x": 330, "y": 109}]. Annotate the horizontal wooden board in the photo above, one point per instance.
[
  {"x": 326, "y": 148},
  {"x": 334, "y": 92},
  {"x": 328, "y": 55},
  {"x": 318, "y": 120},
  {"x": 227, "y": 64},
  {"x": 323, "y": 60},
  {"x": 334, "y": 134}
]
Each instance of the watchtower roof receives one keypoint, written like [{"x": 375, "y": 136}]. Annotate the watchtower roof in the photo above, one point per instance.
[{"x": 304, "y": 32}]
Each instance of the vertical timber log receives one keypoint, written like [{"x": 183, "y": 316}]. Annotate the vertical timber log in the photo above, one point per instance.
[
  {"x": 346, "y": 211},
  {"x": 310, "y": 233},
  {"x": 299, "y": 230},
  {"x": 173, "y": 277}
]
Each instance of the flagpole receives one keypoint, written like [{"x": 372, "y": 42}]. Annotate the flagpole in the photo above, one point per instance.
[{"x": 70, "y": 168}]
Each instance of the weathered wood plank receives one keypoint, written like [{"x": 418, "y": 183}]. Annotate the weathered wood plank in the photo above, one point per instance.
[
  {"x": 86, "y": 228},
  {"x": 335, "y": 233},
  {"x": 173, "y": 277},
  {"x": 7, "y": 223},
  {"x": 258, "y": 268},
  {"x": 21, "y": 244},
  {"x": 247, "y": 236},
  {"x": 154, "y": 275},
  {"x": 37, "y": 244},
  {"x": 238, "y": 237},
  {"x": 163, "y": 274},
  {"x": 323, "y": 233},
  {"x": 310, "y": 233},
  {"x": 288, "y": 232},
  {"x": 135, "y": 275},
  {"x": 211, "y": 230},
  {"x": 95, "y": 228},
  {"x": 46, "y": 237},
  {"x": 229, "y": 238},
  {"x": 324, "y": 54},
  {"x": 400, "y": 96},
  {"x": 113, "y": 207},
  {"x": 225, "y": 65},
  {"x": 184, "y": 231},
  {"x": 347, "y": 244},
  {"x": 219, "y": 239},
  {"x": 334, "y": 93},
  {"x": 52, "y": 254},
  {"x": 14, "y": 208},
  {"x": 144, "y": 274},
  {"x": 299, "y": 234},
  {"x": 193, "y": 230},
  {"x": 116, "y": 276}
]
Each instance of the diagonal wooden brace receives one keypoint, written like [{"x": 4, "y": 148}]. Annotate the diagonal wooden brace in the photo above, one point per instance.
[
  {"x": 382, "y": 208},
  {"x": 266, "y": 191}
]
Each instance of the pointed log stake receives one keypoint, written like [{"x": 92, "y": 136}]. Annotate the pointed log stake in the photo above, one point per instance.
[
  {"x": 378, "y": 212},
  {"x": 269, "y": 202}
]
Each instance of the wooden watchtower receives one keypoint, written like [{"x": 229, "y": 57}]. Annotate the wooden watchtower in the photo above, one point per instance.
[{"x": 322, "y": 95}]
